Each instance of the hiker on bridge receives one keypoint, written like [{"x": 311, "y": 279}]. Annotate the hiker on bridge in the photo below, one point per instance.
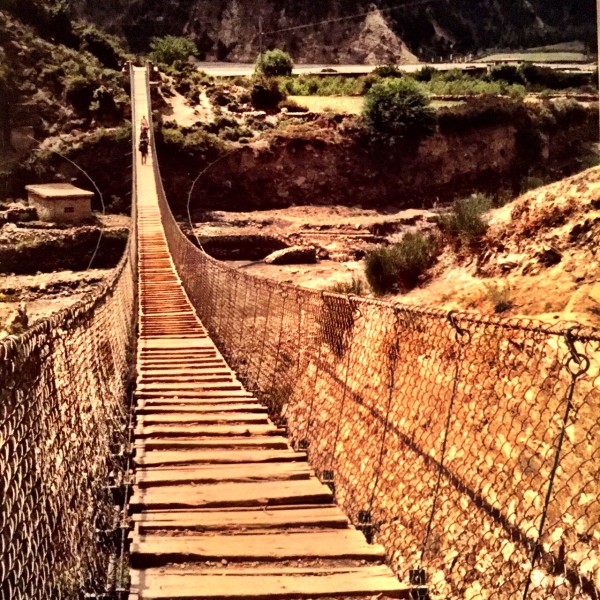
[
  {"x": 143, "y": 148},
  {"x": 144, "y": 127}
]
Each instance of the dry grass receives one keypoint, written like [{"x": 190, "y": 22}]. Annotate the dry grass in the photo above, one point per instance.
[
  {"x": 351, "y": 105},
  {"x": 340, "y": 104},
  {"x": 538, "y": 57}
]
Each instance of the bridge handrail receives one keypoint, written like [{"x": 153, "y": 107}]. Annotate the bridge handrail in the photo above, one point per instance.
[
  {"x": 63, "y": 385},
  {"x": 468, "y": 444}
]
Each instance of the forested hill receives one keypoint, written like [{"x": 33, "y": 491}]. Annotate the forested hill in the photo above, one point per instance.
[{"x": 228, "y": 29}]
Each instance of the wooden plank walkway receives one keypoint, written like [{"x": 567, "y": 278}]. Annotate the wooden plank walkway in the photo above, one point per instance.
[{"x": 223, "y": 507}]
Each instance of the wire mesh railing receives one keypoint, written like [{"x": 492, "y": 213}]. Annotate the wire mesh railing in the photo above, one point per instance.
[
  {"x": 467, "y": 445},
  {"x": 63, "y": 418}
]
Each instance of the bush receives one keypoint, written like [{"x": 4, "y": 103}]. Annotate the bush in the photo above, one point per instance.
[
  {"x": 172, "y": 50},
  {"x": 79, "y": 91},
  {"x": 356, "y": 286},
  {"x": 500, "y": 297},
  {"x": 396, "y": 109},
  {"x": 487, "y": 111},
  {"x": 266, "y": 94},
  {"x": 545, "y": 77},
  {"x": 389, "y": 70},
  {"x": 335, "y": 85},
  {"x": 274, "y": 63},
  {"x": 509, "y": 73},
  {"x": 425, "y": 74},
  {"x": 103, "y": 46},
  {"x": 466, "y": 220},
  {"x": 401, "y": 265}
]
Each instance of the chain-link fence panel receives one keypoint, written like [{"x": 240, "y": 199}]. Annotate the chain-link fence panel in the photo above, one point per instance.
[
  {"x": 63, "y": 418},
  {"x": 467, "y": 445}
]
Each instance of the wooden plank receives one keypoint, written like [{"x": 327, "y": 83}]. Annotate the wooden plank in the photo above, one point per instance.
[
  {"x": 330, "y": 517},
  {"x": 208, "y": 394},
  {"x": 192, "y": 431},
  {"x": 265, "y": 583},
  {"x": 243, "y": 472},
  {"x": 343, "y": 544},
  {"x": 175, "y": 387},
  {"x": 226, "y": 495},
  {"x": 148, "y": 408},
  {"x": 216, "y": 456},
  {"x": 201, "y": 402},
  {"x": 231, "y": 443},
  {"x": 203, "y": 417}
]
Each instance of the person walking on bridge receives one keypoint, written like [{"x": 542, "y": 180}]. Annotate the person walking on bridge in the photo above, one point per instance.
[
  {"x": 144, "y": 126},
  {"x": 143, "y": 147}
]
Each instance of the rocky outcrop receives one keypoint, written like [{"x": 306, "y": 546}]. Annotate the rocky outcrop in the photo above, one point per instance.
[
  {"x": 296, "y": 255},
  {"x": 323, "y": 32}
]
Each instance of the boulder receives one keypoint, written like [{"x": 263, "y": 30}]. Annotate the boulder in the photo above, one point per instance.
[{"x": 296, "y": 255}]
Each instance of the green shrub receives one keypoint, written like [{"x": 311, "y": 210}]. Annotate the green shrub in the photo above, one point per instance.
[
  {"x": 500, "y": 297},
  {"x": 425, "y": 74},
  {"x": 508, "y": 73},
  {"x": 79, "y": 91},
  {"x": 274, "y": 63},
  {"x": 334, "y": 85},
  {"x": 486, "y": 111},
  {"x": 397, "y": 109},
  {"x": 545, "y": 77},
  {"x": 401, "y": 265},
  {"x": 172, "y": 50},
  {"x": 389, "y": 70},
  {"x": 103, "y": 46},
  {"x": 266, "y": 95},
  {"x": 356, "y": 286},
  {"x": 466, "y": 220}
]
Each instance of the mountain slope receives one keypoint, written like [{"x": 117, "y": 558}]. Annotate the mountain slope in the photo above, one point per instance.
[{"x": 229, "y": 29}]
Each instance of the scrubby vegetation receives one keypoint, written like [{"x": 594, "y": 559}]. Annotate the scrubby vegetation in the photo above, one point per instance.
[
  {"x": 274, "y": 63},
  {"x": 172, "y": 51},
  {"x": 500, "y": 296},
  {"x": 57, "y": 74},
  {"x": 357, "y": 286},
  {"x": 466, "y": 221},
  {"x": 400, "y": 266},
  {"x": 266, "y": 94},
  {"x": 397, "y": 109}
]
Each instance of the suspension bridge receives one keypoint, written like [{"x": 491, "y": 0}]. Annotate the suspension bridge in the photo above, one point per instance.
[
  {"x": 465, "y": 446},
  {"x": 225, "y": 508}
]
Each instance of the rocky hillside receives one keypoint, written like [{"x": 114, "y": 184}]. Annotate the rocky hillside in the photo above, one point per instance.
[
  {"x": 539, "y": 257},
  {"x": 57, "y": 75},
  {"x": 382, "y": 31}
]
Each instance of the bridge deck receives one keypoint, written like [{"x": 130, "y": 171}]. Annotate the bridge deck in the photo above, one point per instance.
[{"x": 224, "y": 507}]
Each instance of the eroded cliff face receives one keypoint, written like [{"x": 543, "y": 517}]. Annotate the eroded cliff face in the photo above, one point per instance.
[
  {"x": 332, "y": 167},
  {"x": 379, "y": 31}
]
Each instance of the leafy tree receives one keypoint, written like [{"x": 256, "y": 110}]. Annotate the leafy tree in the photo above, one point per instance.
[
  {"x": 274, "y": 63},
  {"x": 172, "y": 50},
  {"x": 398, "y": 109}
]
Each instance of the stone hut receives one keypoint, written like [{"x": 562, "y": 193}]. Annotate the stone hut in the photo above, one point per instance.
[{"x": 60, "y": 202}]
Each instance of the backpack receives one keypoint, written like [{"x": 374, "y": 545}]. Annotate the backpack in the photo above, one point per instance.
[{"x": 143, "y": 147}]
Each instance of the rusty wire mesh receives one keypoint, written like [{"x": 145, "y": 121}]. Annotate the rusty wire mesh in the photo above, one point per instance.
[
  {"x": 467, "y": 445},
  {"x": 63, "y": 419}
]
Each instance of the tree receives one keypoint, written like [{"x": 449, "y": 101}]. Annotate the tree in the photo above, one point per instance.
[
  {"x": 170, "y": 50},
  {"x": 397, "y": 109},
  {"x": 274, "y": 63}
]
